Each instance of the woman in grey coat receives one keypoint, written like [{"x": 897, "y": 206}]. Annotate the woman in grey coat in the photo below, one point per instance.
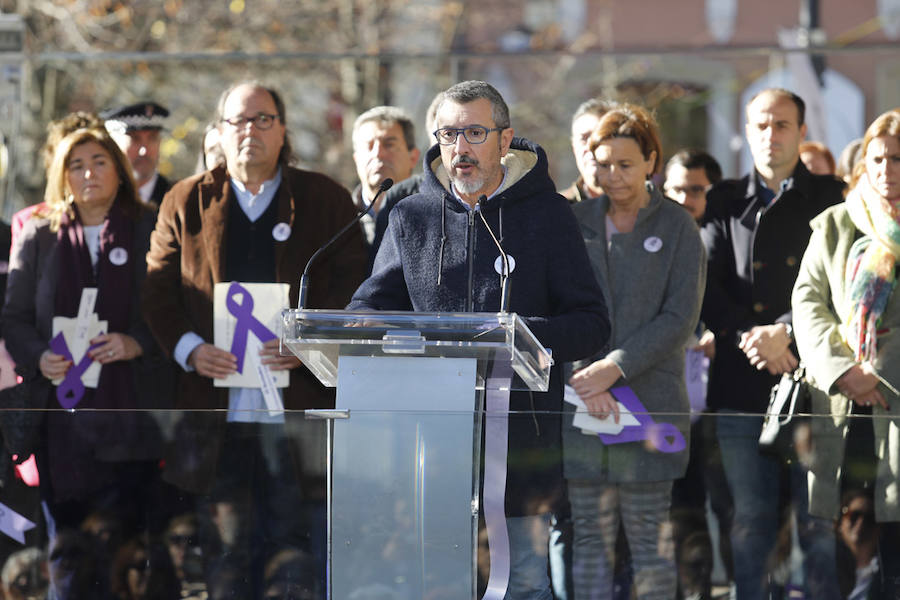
[{"x": 649, "y": 260}]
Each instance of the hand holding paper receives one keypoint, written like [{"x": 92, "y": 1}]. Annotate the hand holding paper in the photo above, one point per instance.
[
  {"x": 272, "y": 358},
  {"x": 595, "y": 378},
  {"x": 602, "y": 406},
  {"x": 210, "y": 361},
  {"x": 53, "y": 366},
  {"x": 112, "y": 347},
  {"x": 593, "y": 424}
]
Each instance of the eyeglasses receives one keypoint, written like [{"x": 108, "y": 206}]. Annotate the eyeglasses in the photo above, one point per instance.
[
  {"x": 688, "y": 190},
  {"x": 262, "y": 121},
  {"x": 474, "y": 134},
  {"x": 867, "y": 516}
]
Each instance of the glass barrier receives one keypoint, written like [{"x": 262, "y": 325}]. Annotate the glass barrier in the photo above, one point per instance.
[{"x": 391, "y": 504}]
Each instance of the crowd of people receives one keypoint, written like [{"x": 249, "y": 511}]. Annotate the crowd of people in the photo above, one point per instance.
[{"x": 672, "y": 300}]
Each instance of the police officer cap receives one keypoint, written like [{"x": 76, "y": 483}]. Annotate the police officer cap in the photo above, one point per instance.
[{"x": 134, "y": 117}]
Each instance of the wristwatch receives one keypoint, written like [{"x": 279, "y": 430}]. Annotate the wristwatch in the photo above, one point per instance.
[{"x": 789, "y": 329}]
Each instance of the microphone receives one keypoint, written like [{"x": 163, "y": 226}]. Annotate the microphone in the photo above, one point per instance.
[
  {"x": 304, "y": 283},
  {"x": 505, "y": 283}
]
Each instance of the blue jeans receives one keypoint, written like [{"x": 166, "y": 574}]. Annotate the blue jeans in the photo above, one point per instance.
[
  {"x": 528, "y": 541},
  {"x": 561, "y": 555},
  {"x": 754, "y": 481}
]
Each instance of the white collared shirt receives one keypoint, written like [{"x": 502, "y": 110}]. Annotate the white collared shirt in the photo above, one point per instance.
[
  {"x": 254, "y": 205},
  {"x": 146, "y": 190}
]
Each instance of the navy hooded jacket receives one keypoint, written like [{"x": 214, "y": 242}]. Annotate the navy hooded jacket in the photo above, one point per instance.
[{"x": 437, "y": 256}]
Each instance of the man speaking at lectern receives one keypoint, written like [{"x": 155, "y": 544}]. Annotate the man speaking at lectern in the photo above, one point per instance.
[{"x": 440, "y": 255}]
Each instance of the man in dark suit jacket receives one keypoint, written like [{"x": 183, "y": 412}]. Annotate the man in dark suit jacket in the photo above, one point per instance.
[
  {"x": 255, "y": 219},
  {"x": 137, "y": 129},
  {"x": 756, "y": 232}
]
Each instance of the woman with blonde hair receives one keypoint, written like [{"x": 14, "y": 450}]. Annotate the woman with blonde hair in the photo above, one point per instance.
[
  {"x": 92, "y": 234},
  {"x": 846, "y": 322},
  {"x": 627, "y": 476}
]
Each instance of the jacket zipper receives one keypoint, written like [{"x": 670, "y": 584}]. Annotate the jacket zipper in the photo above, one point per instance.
[{"x": 470, "y": 301}]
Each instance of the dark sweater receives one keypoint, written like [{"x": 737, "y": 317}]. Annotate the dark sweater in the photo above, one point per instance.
[
  {"x": 398, "y": 192},
  {"x": 250, "y": 251}
]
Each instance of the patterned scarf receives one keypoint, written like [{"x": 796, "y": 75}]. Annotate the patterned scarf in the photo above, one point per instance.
[{"x": 870, "y": 274}]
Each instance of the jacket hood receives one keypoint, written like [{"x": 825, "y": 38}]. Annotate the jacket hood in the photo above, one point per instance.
[{"x": 527, "y": 174}]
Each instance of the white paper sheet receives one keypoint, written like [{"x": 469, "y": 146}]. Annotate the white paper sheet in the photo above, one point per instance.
[
  {"x": 269, "y": 299},
  {"x": 77, "y": 347},
  {"x": 592, "y": 425}
]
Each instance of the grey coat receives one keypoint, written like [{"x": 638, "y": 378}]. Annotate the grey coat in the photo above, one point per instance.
[{"x": 654, "y": 302}]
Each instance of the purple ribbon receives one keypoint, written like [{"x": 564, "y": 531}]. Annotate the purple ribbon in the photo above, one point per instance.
[
  {"x": 246, "y": 322},
  {"x": 70, "y": 392},
  {"x": 496, "y": 440},
  {"x": 665, "y": 437}
]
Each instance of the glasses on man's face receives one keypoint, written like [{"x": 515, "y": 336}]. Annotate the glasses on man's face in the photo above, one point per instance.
[
  {"x": 688, "y": 190},
  {"x": 474, "y": 134},
  {"x": 261, "y": 120}
]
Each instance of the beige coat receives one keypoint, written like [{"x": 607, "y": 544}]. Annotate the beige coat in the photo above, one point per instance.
[{"x": 819, "y": 309}]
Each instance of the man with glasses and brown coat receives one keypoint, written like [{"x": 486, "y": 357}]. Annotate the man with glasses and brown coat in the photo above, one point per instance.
[{"x": 255, "y": 219}]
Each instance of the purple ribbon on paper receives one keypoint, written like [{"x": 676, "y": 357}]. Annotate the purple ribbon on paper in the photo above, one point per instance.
[
  {"x": 246, "y": 322},
  {"x": 665, "y": 437},
  {"x": 70, "y": 392},
  {"x": 496, "y": 440}
]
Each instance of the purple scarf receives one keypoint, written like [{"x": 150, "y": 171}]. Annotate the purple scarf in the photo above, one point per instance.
[{"x": 114, "y": 286}]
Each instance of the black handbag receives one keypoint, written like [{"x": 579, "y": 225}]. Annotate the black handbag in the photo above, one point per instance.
[
  {"x": 22, "y": 408},
  {"x": 789, "y": 400}
]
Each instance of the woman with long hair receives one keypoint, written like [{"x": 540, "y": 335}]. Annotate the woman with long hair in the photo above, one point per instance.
[
  {"x": 846, "y": 322},
  {"x": 91, "y": 234}
]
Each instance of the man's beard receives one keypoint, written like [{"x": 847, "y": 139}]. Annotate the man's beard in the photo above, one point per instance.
[
  {"x": 468, "y": 186},
  {"x": 471, "y": 184}
]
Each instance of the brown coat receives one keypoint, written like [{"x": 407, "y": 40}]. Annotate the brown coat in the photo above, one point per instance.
[{"x": 187, "y": 258}]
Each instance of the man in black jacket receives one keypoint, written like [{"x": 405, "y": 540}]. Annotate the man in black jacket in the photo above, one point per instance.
[
  {"x": 384, "y": 146},
  {"x": 438, "y": 255},
  {"x": 756, "y": 232},
  {"x": 402, "y": 189}
]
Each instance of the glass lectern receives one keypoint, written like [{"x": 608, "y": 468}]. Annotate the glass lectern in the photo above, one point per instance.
[{"x": 406, "y": 439}]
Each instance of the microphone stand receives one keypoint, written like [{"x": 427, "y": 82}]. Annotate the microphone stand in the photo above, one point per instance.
[
  {"x": 304, "y": 283},
  {"x": 505, "y": 283}
]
